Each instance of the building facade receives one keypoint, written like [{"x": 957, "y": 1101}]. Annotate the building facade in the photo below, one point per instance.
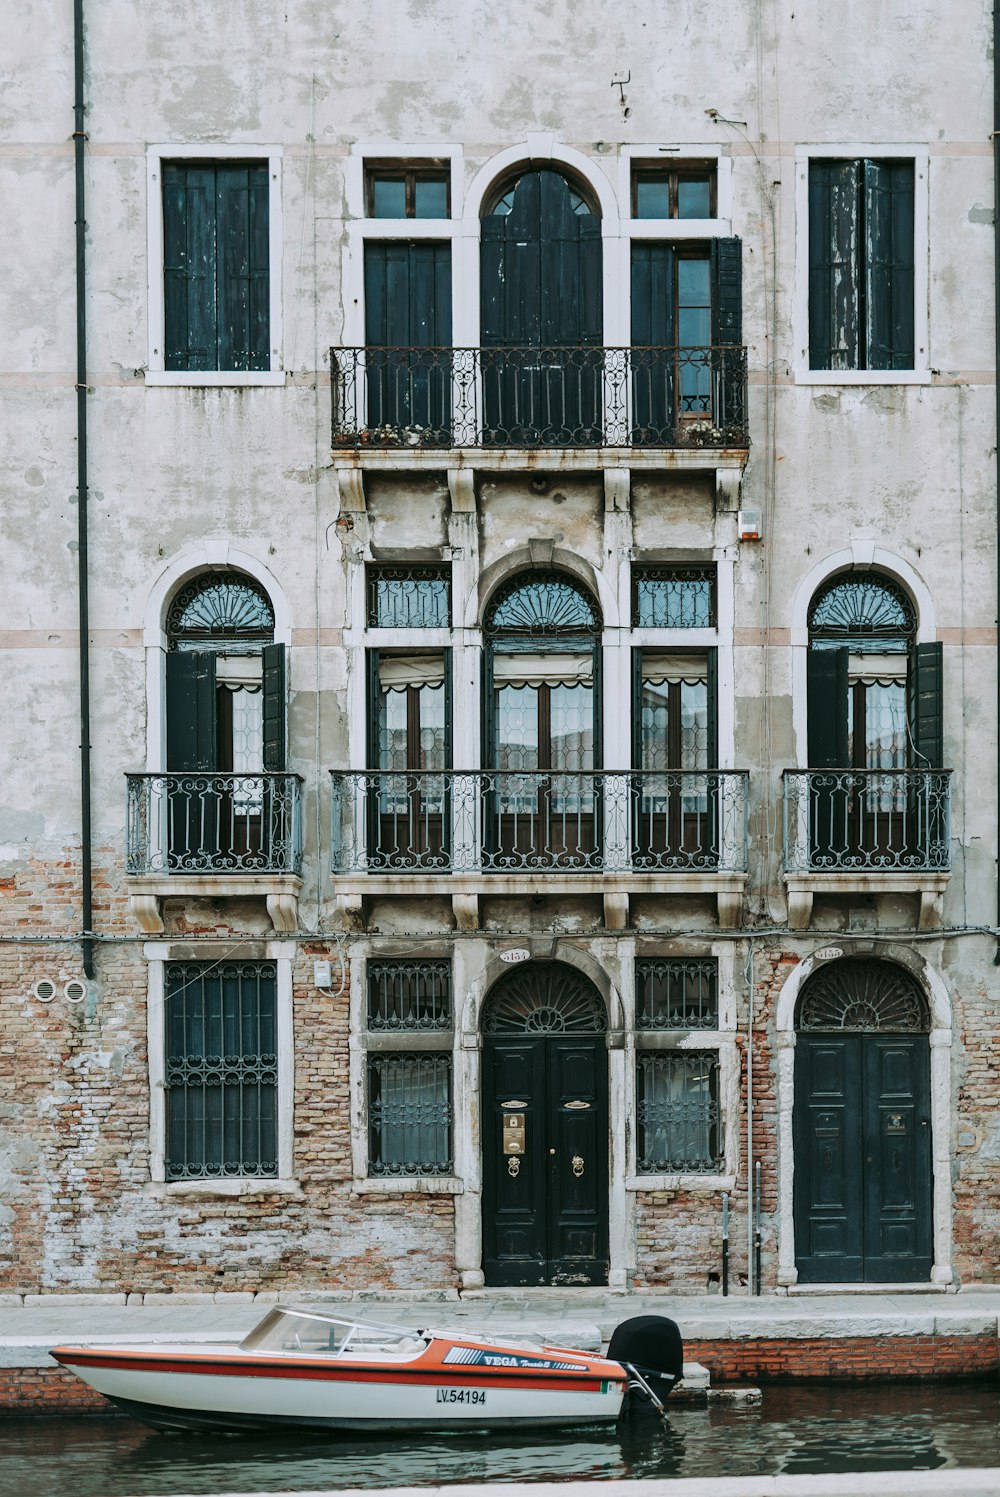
[{"x": 499, "y": 636}]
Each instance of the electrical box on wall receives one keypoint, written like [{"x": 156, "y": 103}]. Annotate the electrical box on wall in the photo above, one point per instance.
[
  {"x": 323, "y": 974},
  {"x": 749, "y": 526}
]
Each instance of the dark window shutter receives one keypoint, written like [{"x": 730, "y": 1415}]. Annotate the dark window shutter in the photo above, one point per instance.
[
  {"x": 449, "y": 752},
  {"x": 926, "y": 705},
  {"x": 408, "y": 305},
  {"x": 191, "y": 709},
  {"x": 826, "y": 706},
  {"x": 712, "y": 672},
  {"x": 888, "y": 216},
  {"x": 834, "y": 268},
  {"x": 653, "y": 327},
  {"x": 216, "y": 267},
  {"x": 637, "y": 708},
  {"x": 275, "y": 697},
  {"x": 373, "y": 706},
  {"x": 727, "y": 290}
]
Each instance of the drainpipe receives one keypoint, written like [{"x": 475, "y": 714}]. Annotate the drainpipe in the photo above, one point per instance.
[
  {"x": 996, "y": 314},
  {"x": 750, "y": 1017},
  {"x": 79, "y": 141}
]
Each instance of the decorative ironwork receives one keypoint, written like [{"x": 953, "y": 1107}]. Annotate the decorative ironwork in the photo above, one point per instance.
[
  {"x": 525, "y": 821},
  {"x": 862, "y": 994},
  {"x": 677, "y": 993},
  {"x": 219, "y": 607},
  {"x": 871, "y": 820},
  {"x": 862, "y": 606},
  {"x": 221, "y": 1070},
  {"x": 544, "y": 998},
  {"x": 542, "y": 605},
  {"x": 673, "y": 597},
  {"x": 213, "y": 823},
  {"x": 690, "y": 397},
  {"x": 409, "y": 995},
  {"x": 409, "y": 597},
  {"x": 409, "y": 1114},
  {"x": 677, "y": 1112}
]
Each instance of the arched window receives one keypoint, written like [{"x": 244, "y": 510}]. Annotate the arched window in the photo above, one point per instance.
[
  {"x": 544, "y": 998},
  {"x": 225, "y": 678},
  {"x": 864, "y": 996},
  {"x": 542, "y": 684},
  {"x": 541, "y": 287}
]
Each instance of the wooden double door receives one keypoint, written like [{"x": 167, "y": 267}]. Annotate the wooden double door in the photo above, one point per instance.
[
  {"x": 545, "y": 1165},
  {"x": 862, "y": 1141}
]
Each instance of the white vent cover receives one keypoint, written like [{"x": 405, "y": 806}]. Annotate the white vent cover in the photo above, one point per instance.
[
  {"x": 44, "y": 990},
  {"x": 75, "y": 991}
]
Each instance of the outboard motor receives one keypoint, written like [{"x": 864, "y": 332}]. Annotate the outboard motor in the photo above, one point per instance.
[{"x": 651, "y": 1350}]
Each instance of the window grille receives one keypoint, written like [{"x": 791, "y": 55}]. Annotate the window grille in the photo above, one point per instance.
[
  {"x": 409, "y": 995},
  {"x": 677, "y": 993},
  {"x": 544, "y": 998},
  {"x": 862, "y": 995},
  {"x": 409, "y": 598},
  {"x": 221, "y": 1070},
  {"x": 220, "y": 608},
  {"x": 677, "y": 1112},
  {"x": 409, "y": 1115},
  {"x": 674, "y": 598}
]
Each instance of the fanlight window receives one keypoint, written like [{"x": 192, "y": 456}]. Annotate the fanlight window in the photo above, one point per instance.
[
  {"x": 861, "y": 607},
  {"x": 220, "y": 608},
  {"x": 546, "y": 604},
  {"x": 864, "y": 996},
  {"x": 504, "y": 204},
  {"x": 544, "y": 998}
]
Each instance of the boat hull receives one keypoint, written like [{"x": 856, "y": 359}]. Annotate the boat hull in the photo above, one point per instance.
[{"x": 248, "y": 1397}]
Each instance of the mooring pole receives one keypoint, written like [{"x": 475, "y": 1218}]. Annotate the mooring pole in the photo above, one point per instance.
[{"x": 725, "y": 1242}]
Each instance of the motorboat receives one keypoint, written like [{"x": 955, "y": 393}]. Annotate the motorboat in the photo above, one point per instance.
[{"x": 303, "y": 1367}]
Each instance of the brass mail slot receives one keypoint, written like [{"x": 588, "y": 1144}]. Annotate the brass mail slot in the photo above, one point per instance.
[{"x": 513, "y": 1133}]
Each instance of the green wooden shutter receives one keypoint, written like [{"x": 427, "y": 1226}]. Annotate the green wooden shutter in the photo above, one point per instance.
[
  {"x": 190, "y": 253},
  {"x": 636, "y": 708},
  {"x": 216, "y": 267},
  {"x": 712, "y": 693},
  {"x": 191, "y": 713},
  {"x": 727, "y": 332},
  {"x": 654, "y": 329},
  {"x": 371, "y": 733},
  {"x": 926, "y": 705},
  {"x": 834, "y": 266},
  {"x": 826, "y": 706},
  {"x": 888, "y": 217},
  {"x": 275, "y": 697},
  {"x": 449, "y": 753}
]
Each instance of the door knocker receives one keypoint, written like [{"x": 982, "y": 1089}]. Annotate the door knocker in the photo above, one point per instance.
[
  {"x": 513, "y": 1165},
  {"x": 577, "y": 1166}
]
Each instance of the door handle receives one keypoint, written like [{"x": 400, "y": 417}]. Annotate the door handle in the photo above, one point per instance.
[{"x": 577, "y": 1166}]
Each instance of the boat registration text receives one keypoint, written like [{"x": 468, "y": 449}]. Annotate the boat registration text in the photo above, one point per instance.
[{"x": 461, "y": 1395}]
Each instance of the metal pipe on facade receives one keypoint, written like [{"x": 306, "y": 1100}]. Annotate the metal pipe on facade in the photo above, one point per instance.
[
  {"x": 750, "y": 980},
  {"x": 79, "y": 141},
  {"x": 996, "y": 334}
]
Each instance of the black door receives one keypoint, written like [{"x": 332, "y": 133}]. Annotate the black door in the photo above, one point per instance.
[
  {"x": 545, "y": 1166},
  {"x": 407, "y": 338},
  {"x": 862, "y": 1158},
  {"x": 541, "y": 311}
]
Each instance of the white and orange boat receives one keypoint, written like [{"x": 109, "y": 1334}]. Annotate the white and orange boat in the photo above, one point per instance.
[{"x": 309, "y": 1369}]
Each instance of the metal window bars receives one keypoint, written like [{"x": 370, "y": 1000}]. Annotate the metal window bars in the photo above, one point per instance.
[
  {"x": 677, "y": 1112},
  {"x": 523, "y": 396},
  {"x": 677, "y": 993},
  {"x": 409, "y": 1114}
]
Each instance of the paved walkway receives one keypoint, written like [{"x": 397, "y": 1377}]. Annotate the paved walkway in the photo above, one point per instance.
[{"x": 582, "y": 1317}]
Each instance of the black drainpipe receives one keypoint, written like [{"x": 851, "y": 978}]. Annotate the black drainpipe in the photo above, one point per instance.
[
  {"x": 79, "y": 141},
  {"x": 996, "y": 365}
]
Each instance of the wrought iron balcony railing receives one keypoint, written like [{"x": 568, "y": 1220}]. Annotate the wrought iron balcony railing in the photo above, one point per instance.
[
  {"x": 530, "y": 397},
  {"x": 213, "y": 823},
  {"x": 867, "y": 820},
  {"x": 511, "y": 822}
]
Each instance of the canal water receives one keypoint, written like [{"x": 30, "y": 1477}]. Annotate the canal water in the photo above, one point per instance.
[{"x": 795, "y": 1430}]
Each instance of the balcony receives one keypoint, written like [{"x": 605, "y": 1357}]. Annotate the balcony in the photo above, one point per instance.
[
  {"x": 388, "y": 402},
  {"x": 469, "y": 833},
  {"x": 870, "y": 831},
  {"x": 214, "y": 835}
]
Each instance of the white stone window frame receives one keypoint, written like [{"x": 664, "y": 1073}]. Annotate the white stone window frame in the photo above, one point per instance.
[
  {"x": 363, "y": 1043},
  {"x": 156, "y": 155},
  {"x": 723, "y": 1041},
  {"x": 920, "y": 374},
  {"x": 158, "y": 954}
]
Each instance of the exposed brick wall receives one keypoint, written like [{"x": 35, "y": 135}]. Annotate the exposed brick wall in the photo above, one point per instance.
[
  {"x": 47, "y": 1390},
  {"x": 852, "y": 1358}
]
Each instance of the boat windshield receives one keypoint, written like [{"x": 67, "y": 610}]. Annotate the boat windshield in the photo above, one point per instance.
[{"x": 324, "y": 1335}]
